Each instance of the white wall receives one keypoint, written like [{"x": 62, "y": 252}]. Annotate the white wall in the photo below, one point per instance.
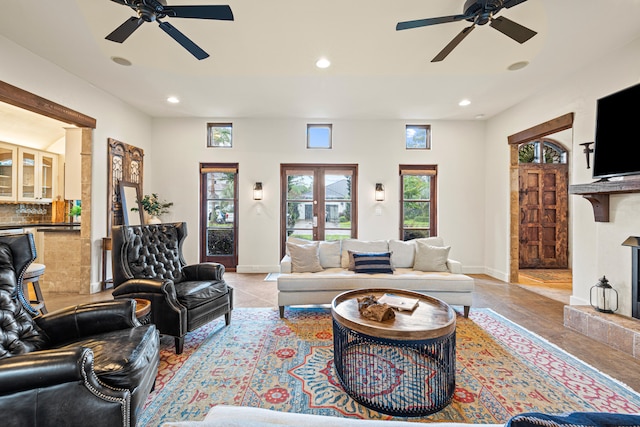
[
  {"x": 115, "y": 119},
  {"x": 596, "y": 249},
  {"x": 377, "y": 146}
]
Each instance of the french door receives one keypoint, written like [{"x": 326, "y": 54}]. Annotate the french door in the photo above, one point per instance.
[
  {"x": 318, "y": 202},
  {"x": 218, "y": 214}
]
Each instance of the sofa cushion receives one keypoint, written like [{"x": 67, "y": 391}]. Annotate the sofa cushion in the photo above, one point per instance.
[
  {"x": 361, "y": 246},
  {"x": 402, "y": 253},
  {"x": 330, "y": 254},
  {"x": 305, "y": 258},
  {"x": 372, "y": 262},
  {"x": 431, "y": 258},
  {"x": 341, "y": 279}
]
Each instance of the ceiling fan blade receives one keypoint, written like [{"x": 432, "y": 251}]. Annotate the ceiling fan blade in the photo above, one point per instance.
[
  {"x": 512, "y": 29},
  {"x": 184, "y": 41},
  {"x": 121, "y": 33},
  {"x": 429, "y": 21},
  {"x": 223, "y": 13},
  {"x": 511, "y": 3},
  {"x": 453, "y": 43}
]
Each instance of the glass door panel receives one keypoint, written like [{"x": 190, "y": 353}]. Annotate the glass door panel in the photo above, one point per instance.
[
  {"x": 319, "y": 202},
  {"x": 28, "y": 175},
  {"x": 300, "y": 205},
  {"x": 337, "y": 205},
  {"x": 219, "y": 216},
  {"x": 46, "y": 177},
  {"x": 8, "y": 173}
]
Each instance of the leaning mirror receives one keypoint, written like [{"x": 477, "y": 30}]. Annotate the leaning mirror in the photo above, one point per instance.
[{"x": 131, "y": 208}]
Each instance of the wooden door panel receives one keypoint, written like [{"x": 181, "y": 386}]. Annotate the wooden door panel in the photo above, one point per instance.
[{"x": 543, "y": 219}]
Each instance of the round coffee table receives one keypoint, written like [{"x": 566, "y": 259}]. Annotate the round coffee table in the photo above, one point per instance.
[{"x": 403, "y": 366}]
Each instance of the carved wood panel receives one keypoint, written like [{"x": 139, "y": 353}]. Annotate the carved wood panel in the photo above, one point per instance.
[{"x": 125, "y": 164}]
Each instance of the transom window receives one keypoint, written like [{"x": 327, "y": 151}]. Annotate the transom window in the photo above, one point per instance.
[
  {"x": 418, "y": 205},
  {"x": 542, "y": 151}
]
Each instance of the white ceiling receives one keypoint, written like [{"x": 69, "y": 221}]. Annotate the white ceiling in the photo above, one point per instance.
[{"x": 262, "y": 64}]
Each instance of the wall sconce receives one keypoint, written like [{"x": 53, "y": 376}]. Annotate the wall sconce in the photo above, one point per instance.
[
  {"x": 257, "y": 191},
  {"x": 379, "y": 192}
]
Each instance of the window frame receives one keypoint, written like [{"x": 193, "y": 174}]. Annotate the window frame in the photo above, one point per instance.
[
  {"x": 427, "y": 142},
  {"x": 210, "y": 131},
  {"x": 328, "y": 126},
  {"x": 432, "y": 172}
]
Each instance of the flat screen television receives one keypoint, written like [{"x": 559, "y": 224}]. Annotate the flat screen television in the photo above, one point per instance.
[{"x": 617, "y": 144}]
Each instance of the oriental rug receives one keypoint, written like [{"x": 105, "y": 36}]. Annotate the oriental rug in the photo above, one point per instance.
[{"x": 261, "y": 360}]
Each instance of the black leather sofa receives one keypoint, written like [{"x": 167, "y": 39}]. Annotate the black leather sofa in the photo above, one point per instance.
[
  {"x": 91, "y": 364},
  {"x": 148, "y": 263}
]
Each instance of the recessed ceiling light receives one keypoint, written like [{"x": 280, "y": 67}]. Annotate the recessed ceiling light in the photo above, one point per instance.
[
  {"x": 517, "y": 65},
  {"x": 173, "y": 100},
  {"x": 479, "y": 116},
  {"x": 464, "y": 103},
  {"x": 121, "y": 61},
  {"x": 323, "y": 63}
]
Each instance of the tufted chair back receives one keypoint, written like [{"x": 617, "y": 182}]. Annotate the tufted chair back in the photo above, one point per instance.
[
  {"x": 150, "y": 251},
  {"x": 18, "y": 332}
]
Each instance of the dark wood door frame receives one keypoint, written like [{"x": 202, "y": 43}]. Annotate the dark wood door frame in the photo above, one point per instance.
[{"x": 547, "y": 128}]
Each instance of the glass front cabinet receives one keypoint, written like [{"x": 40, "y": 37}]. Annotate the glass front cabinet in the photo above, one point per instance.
[
  {"x": 37, "y": 174},
  {"x": 8, "y": 172}
]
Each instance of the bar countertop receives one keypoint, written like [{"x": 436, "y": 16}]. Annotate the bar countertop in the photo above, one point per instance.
[{"x": 44, "y": 226}]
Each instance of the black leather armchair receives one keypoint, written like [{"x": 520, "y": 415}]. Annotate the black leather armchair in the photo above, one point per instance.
[
  {"x": 91, "y": 364},
  {"x": 147, "y": 263}
]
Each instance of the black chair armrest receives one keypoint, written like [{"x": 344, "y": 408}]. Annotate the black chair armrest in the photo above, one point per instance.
[
  {"x": 45, "y": 368},
  {"x": 59, "y": 387},
  {"x": 204, "y": 271},
  {"x": 76, "y": 322}
]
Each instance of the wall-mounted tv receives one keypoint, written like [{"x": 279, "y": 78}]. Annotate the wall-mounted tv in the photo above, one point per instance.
[{"x": 617, "y": 144}]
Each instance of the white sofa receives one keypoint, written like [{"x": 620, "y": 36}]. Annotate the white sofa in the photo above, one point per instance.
[
  {"x": 411, "y": 261},
  {"x": 243, "y": 416}
]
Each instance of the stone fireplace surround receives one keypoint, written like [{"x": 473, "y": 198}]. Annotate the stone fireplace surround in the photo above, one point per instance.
[{"x": 619, "y": 332}]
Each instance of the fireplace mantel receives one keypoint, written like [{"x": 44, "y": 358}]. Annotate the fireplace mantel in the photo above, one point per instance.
[{"x": 598, "y": 194}]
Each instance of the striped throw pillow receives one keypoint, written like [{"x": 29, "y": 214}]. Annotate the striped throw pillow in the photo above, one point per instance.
[{"x": 372, "y": 262}]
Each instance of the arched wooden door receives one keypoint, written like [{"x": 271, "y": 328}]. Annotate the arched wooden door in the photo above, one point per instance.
[{"x": 543, "y": 197}]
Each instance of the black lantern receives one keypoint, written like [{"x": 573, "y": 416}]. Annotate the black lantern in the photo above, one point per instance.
[{"x": 603, "y": 296}]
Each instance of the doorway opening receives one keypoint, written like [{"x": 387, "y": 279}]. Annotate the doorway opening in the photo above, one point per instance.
[{"x": 539, "y": 232}]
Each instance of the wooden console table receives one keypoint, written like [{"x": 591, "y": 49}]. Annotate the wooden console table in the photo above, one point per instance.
[{"x": 598, "y": 194}]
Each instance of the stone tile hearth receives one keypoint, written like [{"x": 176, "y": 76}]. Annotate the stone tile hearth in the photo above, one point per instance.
[{"x": 619, "y": 332}]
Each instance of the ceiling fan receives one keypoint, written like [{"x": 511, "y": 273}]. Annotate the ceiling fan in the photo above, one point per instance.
[
  {"x": 154, "y": 10},
  {"x": 479, "y": 12}
]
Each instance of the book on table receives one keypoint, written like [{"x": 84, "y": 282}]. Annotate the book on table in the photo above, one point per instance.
[{"x": 399, "y": 302}]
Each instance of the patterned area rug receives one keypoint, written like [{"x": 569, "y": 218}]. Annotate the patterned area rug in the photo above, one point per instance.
[{"x": 287, "y": 365}]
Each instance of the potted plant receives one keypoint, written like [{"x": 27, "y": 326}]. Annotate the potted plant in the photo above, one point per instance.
[
  {"x": 154, "y": 207},
  {"x": 75, "y": 212}
]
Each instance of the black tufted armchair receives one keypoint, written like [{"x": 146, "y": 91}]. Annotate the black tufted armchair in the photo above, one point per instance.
[
  {"x": 147, "y": 263},
  {"x": 91, "y": 364}
]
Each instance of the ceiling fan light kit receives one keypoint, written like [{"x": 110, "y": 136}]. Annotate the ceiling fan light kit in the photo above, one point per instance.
[
  {"x": 154, "y": 10},
  {"x": 478, "y": 12}
]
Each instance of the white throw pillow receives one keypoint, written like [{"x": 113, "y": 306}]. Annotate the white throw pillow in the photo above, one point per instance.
[
  {"x": 297, "y": 241},
  {"x": 304, "y": 258},
  {"x": 431, "y": 258},
  {"x": 330, "y": 254},
  {"x": 402, "y": 253},
  {"x": 361, "y": 246},
  {"x": 431, "y": 241}
]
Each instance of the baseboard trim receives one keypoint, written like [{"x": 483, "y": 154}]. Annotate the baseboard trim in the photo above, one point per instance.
[{"x": 258, "y": 269}]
